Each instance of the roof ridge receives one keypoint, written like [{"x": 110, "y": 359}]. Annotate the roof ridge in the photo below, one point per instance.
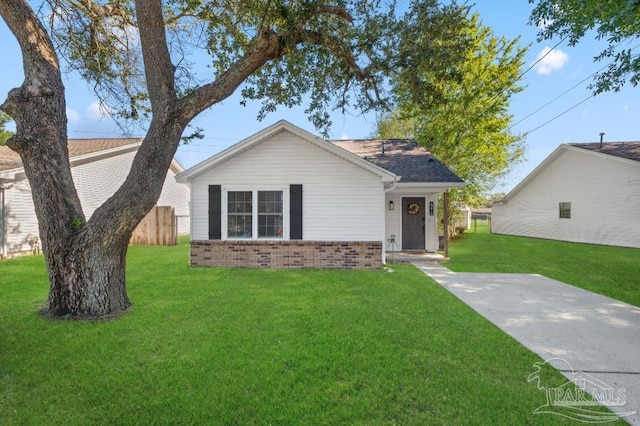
[{"x": 10, "y": 159}]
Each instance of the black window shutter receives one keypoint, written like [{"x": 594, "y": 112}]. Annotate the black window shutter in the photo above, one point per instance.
[
  {"x": 215, "y": 212},
  {"x": 295, "y": 212}
]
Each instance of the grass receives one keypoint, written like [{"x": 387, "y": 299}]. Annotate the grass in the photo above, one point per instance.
[
  {"x": 240, "y": 346},
  {"x": 611, "y": 271}
]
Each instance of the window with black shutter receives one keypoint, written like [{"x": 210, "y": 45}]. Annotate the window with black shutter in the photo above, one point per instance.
[
  {"x": 215, "y": 212},
  {"x": 295, "y": 212}
]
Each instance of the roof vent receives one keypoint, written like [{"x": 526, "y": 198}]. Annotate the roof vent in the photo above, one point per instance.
[{"x": 601, "y": 136}]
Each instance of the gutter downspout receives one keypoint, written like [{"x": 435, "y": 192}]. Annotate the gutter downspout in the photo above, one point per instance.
[{"x": 387, "y": 189}]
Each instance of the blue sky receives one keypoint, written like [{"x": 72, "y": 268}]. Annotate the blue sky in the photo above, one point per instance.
[{"x": 615, "y": 114}]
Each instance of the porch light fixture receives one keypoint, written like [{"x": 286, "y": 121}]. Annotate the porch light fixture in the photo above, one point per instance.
[{"x": 391, "y": 206}]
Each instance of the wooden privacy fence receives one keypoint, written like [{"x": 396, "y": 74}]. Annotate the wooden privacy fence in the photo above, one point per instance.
[{"x": 158, "y": 228}]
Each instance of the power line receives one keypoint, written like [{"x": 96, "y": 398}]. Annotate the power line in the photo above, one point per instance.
[
  {"x": 541, "y": 58},
  {"x": 561, "y": 114},
  {"x": 571, "y": 88},
  {"x": 557, "y": 97}
]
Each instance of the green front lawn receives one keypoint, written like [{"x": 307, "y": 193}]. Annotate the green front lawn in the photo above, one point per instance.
[
  {"x": 611, "y": 271},
  {"x": 237, "y": 346}
]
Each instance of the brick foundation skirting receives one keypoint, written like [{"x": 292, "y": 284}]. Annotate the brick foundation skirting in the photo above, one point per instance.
[{"x": 288, "y": 254}]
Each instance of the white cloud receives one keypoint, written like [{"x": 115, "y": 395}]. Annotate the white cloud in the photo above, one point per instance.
[
  {"x": 550, "y": 60},
  {"x": 344, "y": 136},
  {"x": 72, "y": 116},
  {"x": 97, "y": 110}
]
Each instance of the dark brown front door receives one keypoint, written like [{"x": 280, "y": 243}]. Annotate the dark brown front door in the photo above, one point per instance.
[{"x": 413, "y": 223}]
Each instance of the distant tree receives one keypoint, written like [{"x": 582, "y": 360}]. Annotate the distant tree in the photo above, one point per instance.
[
  {"x": 617, "y": 22},
  {"x": 4, "y": 133},
  {"x": 461, "y": 115}
]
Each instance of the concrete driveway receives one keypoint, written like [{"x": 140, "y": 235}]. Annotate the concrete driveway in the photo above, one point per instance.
[{"x": 592, "y": 339}]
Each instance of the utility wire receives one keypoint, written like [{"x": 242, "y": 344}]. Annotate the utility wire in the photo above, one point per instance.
[
  {"x": 541, "y": 58},
  {"x": 570, "y": 89},
  {"x": 557, "y": 97},
  {"x": 571, "y": 108},
  {"x": 561, "y": 114}
]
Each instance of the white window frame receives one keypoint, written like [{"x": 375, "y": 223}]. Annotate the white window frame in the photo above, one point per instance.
[{"x": 254, "y": 212}]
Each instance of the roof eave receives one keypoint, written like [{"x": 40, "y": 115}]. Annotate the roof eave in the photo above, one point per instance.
[
  {"x": 535, "y": 172},
  {"x": 282, "y": 125},
  {"x": 105, "y": 153},
  {"x": 443, "y": 185},
  {"x": 577, "y": 148}
]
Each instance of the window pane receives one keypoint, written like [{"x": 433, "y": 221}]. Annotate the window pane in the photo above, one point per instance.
[
  {"x": 269, "y": 202},
  {"x": 239, "y": 201},
  {"x": 270, "y": 226},
  {"x": 240, "y": 226},
  {"x": 270, "y": 218},
  {"x": 565, "y": 210},
  {"x": 239, "y": 208}
]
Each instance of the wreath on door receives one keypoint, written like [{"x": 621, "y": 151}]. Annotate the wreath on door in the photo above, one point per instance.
[{"x": 413, "y": 208}]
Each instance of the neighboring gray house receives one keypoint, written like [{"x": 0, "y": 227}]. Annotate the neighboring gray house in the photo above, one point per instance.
[
  {"x": 99, "y": 167},
  {"x": 286, "y": 198},
  {"x": 587, "y": 193}
]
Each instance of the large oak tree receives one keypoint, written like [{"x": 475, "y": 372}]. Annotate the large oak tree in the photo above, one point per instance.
[{"x": 136, "y": 54}]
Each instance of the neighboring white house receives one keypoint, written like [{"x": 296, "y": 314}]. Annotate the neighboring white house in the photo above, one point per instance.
[
  {"x": 588, "y": 193},
  {"x": 286, "y": 198},
  {"x": 98, "y": 166}
]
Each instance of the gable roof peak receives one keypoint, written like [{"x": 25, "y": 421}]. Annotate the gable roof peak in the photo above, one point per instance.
[{"x": 272, "y": 130}]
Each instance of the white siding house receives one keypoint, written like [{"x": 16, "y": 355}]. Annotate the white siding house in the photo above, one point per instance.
[
  {"x": 98, "y": 166},
  {"x": 286, "y": 198},
  {"x": 588, "y": 193}
]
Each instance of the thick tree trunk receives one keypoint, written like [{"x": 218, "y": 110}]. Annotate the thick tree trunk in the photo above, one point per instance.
[
  {"x": 90, "y": 281},
  {"x": 87, "y": 274},
  {"x": 85, "y": 259}
]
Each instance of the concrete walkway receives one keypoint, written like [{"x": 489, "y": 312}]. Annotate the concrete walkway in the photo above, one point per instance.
[{"x": 584, "y": 335}]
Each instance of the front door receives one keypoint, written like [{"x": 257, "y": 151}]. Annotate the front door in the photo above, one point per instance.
[{"x": 413, "y": 224}]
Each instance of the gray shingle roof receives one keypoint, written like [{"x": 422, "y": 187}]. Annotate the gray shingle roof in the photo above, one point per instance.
[
  {"x": 403, "y": 157},
  {"x": 9, "y": 159},
  {"x": 628, "y": 150}
]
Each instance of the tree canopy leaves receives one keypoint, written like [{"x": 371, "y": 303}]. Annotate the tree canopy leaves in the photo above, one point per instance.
[
  {"x": 329, "y": 53},
  {"x": 460, "y": 112},
  {"x": 616, "y": 22}
]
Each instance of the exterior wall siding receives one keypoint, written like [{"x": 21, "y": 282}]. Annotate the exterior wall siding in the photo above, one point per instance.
[
  {"x": 288, "y": 254},
  {"x": 341, "y": 201},
  {"x": 21, "y": 221},
  {"x": 605, "y": 202},
  {"x": 112, "y": 172},
  {"x": 176, "y": 195}
]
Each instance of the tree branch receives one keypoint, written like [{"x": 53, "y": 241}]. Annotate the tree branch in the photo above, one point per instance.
[
  {"x": 338, "y": 11},
  {"x": 159, "y": 70},
  {"x": 97, "y": 12},
  {"x": 267, "y": 46},
  {"x": 38, "y": 51}
]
